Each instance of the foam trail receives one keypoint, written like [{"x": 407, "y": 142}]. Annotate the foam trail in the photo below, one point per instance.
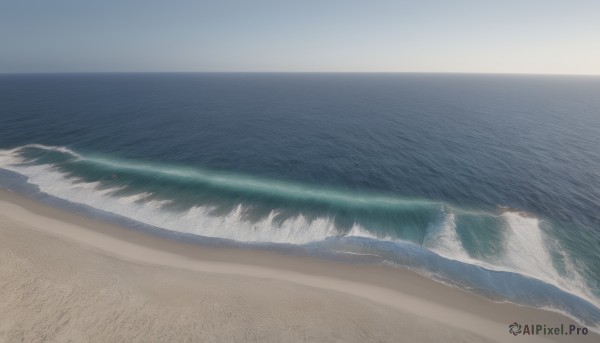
[{"x": 445, "y": 241}]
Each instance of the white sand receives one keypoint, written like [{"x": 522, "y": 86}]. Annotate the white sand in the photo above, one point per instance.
[{"x": 65, "y": 278}]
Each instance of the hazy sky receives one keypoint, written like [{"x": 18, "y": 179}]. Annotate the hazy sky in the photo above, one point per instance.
[{"x": 521, "y": 36}]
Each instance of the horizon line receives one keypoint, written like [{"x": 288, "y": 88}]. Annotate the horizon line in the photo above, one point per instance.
[{"x": 294, "y": 72}]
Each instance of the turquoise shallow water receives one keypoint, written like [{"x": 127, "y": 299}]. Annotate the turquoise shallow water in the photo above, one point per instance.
[{"x": 491, "y": 183}]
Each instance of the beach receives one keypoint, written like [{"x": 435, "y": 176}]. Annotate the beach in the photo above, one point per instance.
[
  {"x": 65, "y": 277},
  {"x": 227, "y": 171}
]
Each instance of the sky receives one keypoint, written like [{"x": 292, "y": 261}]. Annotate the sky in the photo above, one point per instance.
[{"x": 470, "y": 36}]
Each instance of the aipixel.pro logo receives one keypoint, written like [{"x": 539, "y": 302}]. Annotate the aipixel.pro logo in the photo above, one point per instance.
[{"x": 542, "y": 329}]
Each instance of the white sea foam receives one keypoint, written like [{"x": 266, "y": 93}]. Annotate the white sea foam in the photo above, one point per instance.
[
  {"x": 444, "y": 240},
  {"x": 525, "y": 249},
  {"x": 574, "y": 277},
  {"x": 197, "y": 220},
  {"x": 62, "y": 149},
  {"x": 358, "y": 231}
]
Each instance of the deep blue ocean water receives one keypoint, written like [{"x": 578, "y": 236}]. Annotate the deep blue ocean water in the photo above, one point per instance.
[{"x": 488, "y": 182}]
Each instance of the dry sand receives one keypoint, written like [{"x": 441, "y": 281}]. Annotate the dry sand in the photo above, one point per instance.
[{"x": 67, "y": 278}]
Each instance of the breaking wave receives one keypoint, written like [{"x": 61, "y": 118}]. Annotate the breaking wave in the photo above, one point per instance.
[{"x": 250, "y": 209}]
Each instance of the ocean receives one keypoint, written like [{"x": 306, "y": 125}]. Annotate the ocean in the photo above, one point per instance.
[{"x": 490, "y": 183}]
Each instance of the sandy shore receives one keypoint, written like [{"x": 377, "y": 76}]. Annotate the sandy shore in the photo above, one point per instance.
[{"x": 67, "y": 278}]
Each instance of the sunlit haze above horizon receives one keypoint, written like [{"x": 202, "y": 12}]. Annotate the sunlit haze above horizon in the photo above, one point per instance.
[{"x": 537, "y": 37}]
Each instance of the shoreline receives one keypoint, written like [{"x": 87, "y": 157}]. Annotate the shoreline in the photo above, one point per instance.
[{"x": 462, "y": 315}]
